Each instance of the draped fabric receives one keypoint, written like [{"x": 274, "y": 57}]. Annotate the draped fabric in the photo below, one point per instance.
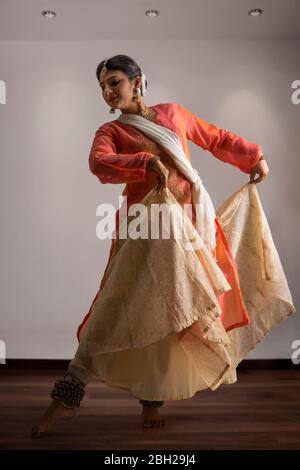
[
  {"x": 120, "y": 154},
  {"x": 171, "y": 143},
  {"x": 167, "y": 322},
  {"x": 157, "y": 328}
]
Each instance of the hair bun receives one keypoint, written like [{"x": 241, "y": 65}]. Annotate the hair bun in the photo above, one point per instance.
[{"x": 144, "y": 83}]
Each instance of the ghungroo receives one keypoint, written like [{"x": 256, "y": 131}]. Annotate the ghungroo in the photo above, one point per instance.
[
  {"x": 69, "y": 393},
  {"x": 152, "y": 403}
]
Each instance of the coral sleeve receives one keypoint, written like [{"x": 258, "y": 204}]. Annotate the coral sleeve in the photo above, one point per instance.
[
  {"x": 222, "y": 143},
  {"x": 111, "y": 167}
]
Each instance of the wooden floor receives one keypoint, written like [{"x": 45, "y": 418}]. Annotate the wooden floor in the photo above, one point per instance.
[{"x": 260, "y": 411}]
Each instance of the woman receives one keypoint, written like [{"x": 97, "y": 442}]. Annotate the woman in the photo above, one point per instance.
[{"x": 121, "y": 153}]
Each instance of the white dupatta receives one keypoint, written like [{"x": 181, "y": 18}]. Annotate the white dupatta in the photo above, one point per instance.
[{"x": 205, "y": 212}]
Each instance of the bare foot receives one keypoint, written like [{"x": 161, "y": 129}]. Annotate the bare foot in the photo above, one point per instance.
[
  {"x": 151, "y": 417},
  {"x": 55, "y": 411}
]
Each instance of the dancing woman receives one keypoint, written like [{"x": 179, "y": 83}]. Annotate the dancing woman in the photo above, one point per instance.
[{"x": 146, "y": 148}]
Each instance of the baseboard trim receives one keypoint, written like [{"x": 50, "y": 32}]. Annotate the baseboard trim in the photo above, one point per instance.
[{"x": 62, "y": 364}]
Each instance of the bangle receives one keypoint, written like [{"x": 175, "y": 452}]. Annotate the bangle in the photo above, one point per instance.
[{"x": 152, "y": 161}]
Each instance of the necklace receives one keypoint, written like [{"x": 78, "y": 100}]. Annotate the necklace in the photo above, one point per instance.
[{"x": 144, "y": 113}]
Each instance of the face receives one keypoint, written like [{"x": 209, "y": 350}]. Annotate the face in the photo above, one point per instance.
[{"x": 116, "y": 83}]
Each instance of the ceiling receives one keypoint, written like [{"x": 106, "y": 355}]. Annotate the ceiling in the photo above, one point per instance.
[{"x": 125, "y": 19}]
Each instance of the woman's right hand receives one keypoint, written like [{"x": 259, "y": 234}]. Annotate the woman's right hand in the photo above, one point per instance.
[{"x": 162, "y": 173}]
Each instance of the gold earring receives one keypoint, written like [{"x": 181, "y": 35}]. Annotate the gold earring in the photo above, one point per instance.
[{"x": 136, "y": 94}]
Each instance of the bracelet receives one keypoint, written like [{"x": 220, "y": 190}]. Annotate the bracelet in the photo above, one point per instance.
[{"x": 152, "y": 161}]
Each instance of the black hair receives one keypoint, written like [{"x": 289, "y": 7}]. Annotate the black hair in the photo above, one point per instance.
[{"x": 124, "y": 63}]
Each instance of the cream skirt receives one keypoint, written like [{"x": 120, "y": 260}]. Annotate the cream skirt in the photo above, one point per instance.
[{"x": 156, "y": 328}]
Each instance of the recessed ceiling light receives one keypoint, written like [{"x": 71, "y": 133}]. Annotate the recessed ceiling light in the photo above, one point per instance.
[
  {"x": 152, "y": 13},
  {"x": 255, "y": 12},
  {"x": 49, "y": 14}
]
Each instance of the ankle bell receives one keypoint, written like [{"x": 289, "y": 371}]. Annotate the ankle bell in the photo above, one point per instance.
[
  {"x": 68, "y": 393},
  {"x": 151, "y": 403}
]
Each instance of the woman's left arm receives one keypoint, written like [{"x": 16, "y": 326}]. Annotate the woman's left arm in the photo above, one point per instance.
[{"x": 225, "y": 145}]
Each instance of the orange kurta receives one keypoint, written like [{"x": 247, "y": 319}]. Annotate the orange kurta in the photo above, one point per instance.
[{"x": 120, "y": 154}]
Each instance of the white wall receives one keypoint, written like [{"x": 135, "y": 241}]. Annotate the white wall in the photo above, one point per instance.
[{"x": 51, "y": 260}]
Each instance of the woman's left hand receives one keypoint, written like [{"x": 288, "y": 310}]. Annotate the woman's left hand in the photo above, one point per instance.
[{"x": 262, "y": 169}]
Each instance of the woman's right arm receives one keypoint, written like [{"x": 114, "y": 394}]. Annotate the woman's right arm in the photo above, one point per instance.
[{"x": 111, "y": 167}]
